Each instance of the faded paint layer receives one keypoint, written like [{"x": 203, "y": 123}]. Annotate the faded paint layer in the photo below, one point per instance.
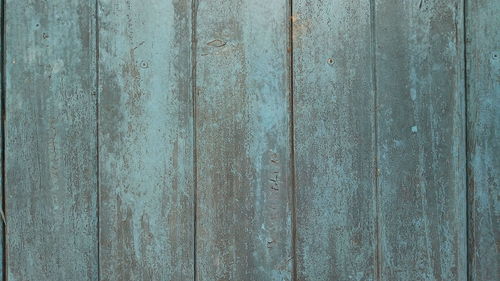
[
  {"x": 146, "y": 214},
  {"x": 420, "y": 139},
  {"x": 50, "y": 142},
  {"x": 170, "y": 157},
  {"x": 243, "y": 141},
  {"x": 483, "y": 127},
  {"x": 334, "y": 140}
]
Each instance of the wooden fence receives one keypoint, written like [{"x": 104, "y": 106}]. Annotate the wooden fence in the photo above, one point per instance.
[{"x": 251, "y": 140}]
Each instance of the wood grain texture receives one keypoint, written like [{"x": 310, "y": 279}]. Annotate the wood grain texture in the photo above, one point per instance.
[
  {"x": 145, "y": 140},
  {"x": 243, "y": 141},
  {"x": 420, "y": 100},
  {"x": 51, "y": 140},
  {"x": 483, "y": 126},
  {"x": 334, "y": 140}
]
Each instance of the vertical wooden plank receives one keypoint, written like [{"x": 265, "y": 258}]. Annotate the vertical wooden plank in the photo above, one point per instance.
[
  {"x": 334, "y": 140},
  {"x": 483, "y": 126},
  {"x": 51, "y": 140},
  {"x": 145, "y": 140},
  {"x": 420, "y": 96},
  {"x": 243, "y": 141}
]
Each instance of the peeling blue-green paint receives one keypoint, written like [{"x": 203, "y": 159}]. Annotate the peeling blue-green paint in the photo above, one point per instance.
[{"x": 251, "y": 140}]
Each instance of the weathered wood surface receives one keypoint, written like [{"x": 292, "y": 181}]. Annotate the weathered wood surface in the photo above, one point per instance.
[
  {"x": 161, "y": 140},
  {"x": 146, "y": 212},
  {"x": 420, "y": 139},
  {"x": 243, "y": 141},
  {"x": 483, "y": 127},
  {"x": 50, "y": 143},
  {"x": 334, "y": 140}
]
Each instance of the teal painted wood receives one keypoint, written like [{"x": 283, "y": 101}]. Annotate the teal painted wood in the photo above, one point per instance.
[
  {"x": 379, "y": 127},
  {"x": 243, "y": 141},
  {"x": 483, "y": 126},
  {"x": 420, "y": 120},
  {"x": 146, "y": 211},
  {"x": 50, "y": 142},
  {"x": 334, "y": 140}
]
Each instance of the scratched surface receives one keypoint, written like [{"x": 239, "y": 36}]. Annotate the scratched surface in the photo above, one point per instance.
[
  {"x": 334, "y": 140},
  {"x": 420, "y": 139},
  {"x": 223, "y": 140},
  {"x": 483, "y": 126},
  {"x": 146, "y": 214},
  {"x": 50, "y": 143},
  {"x": 243, "y": 141}
]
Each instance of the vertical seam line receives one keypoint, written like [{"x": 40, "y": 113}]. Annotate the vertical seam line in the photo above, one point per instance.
[
  {"x": 3, "y": 125},
  {"x": 292, "y": 142},
  {"x": 194, "y": 92},
  {"x": 98, "y": 197},
  {"x": 468, "y": 192},
  {"x": 378, "y": 251}
]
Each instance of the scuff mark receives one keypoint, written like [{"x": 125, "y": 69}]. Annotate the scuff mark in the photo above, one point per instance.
[
  {"x": 140, "y": 44},
  {"x": 216, "y": 43}
]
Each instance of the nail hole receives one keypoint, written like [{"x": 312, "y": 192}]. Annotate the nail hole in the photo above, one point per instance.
[{"x": 330, "y": 61}]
